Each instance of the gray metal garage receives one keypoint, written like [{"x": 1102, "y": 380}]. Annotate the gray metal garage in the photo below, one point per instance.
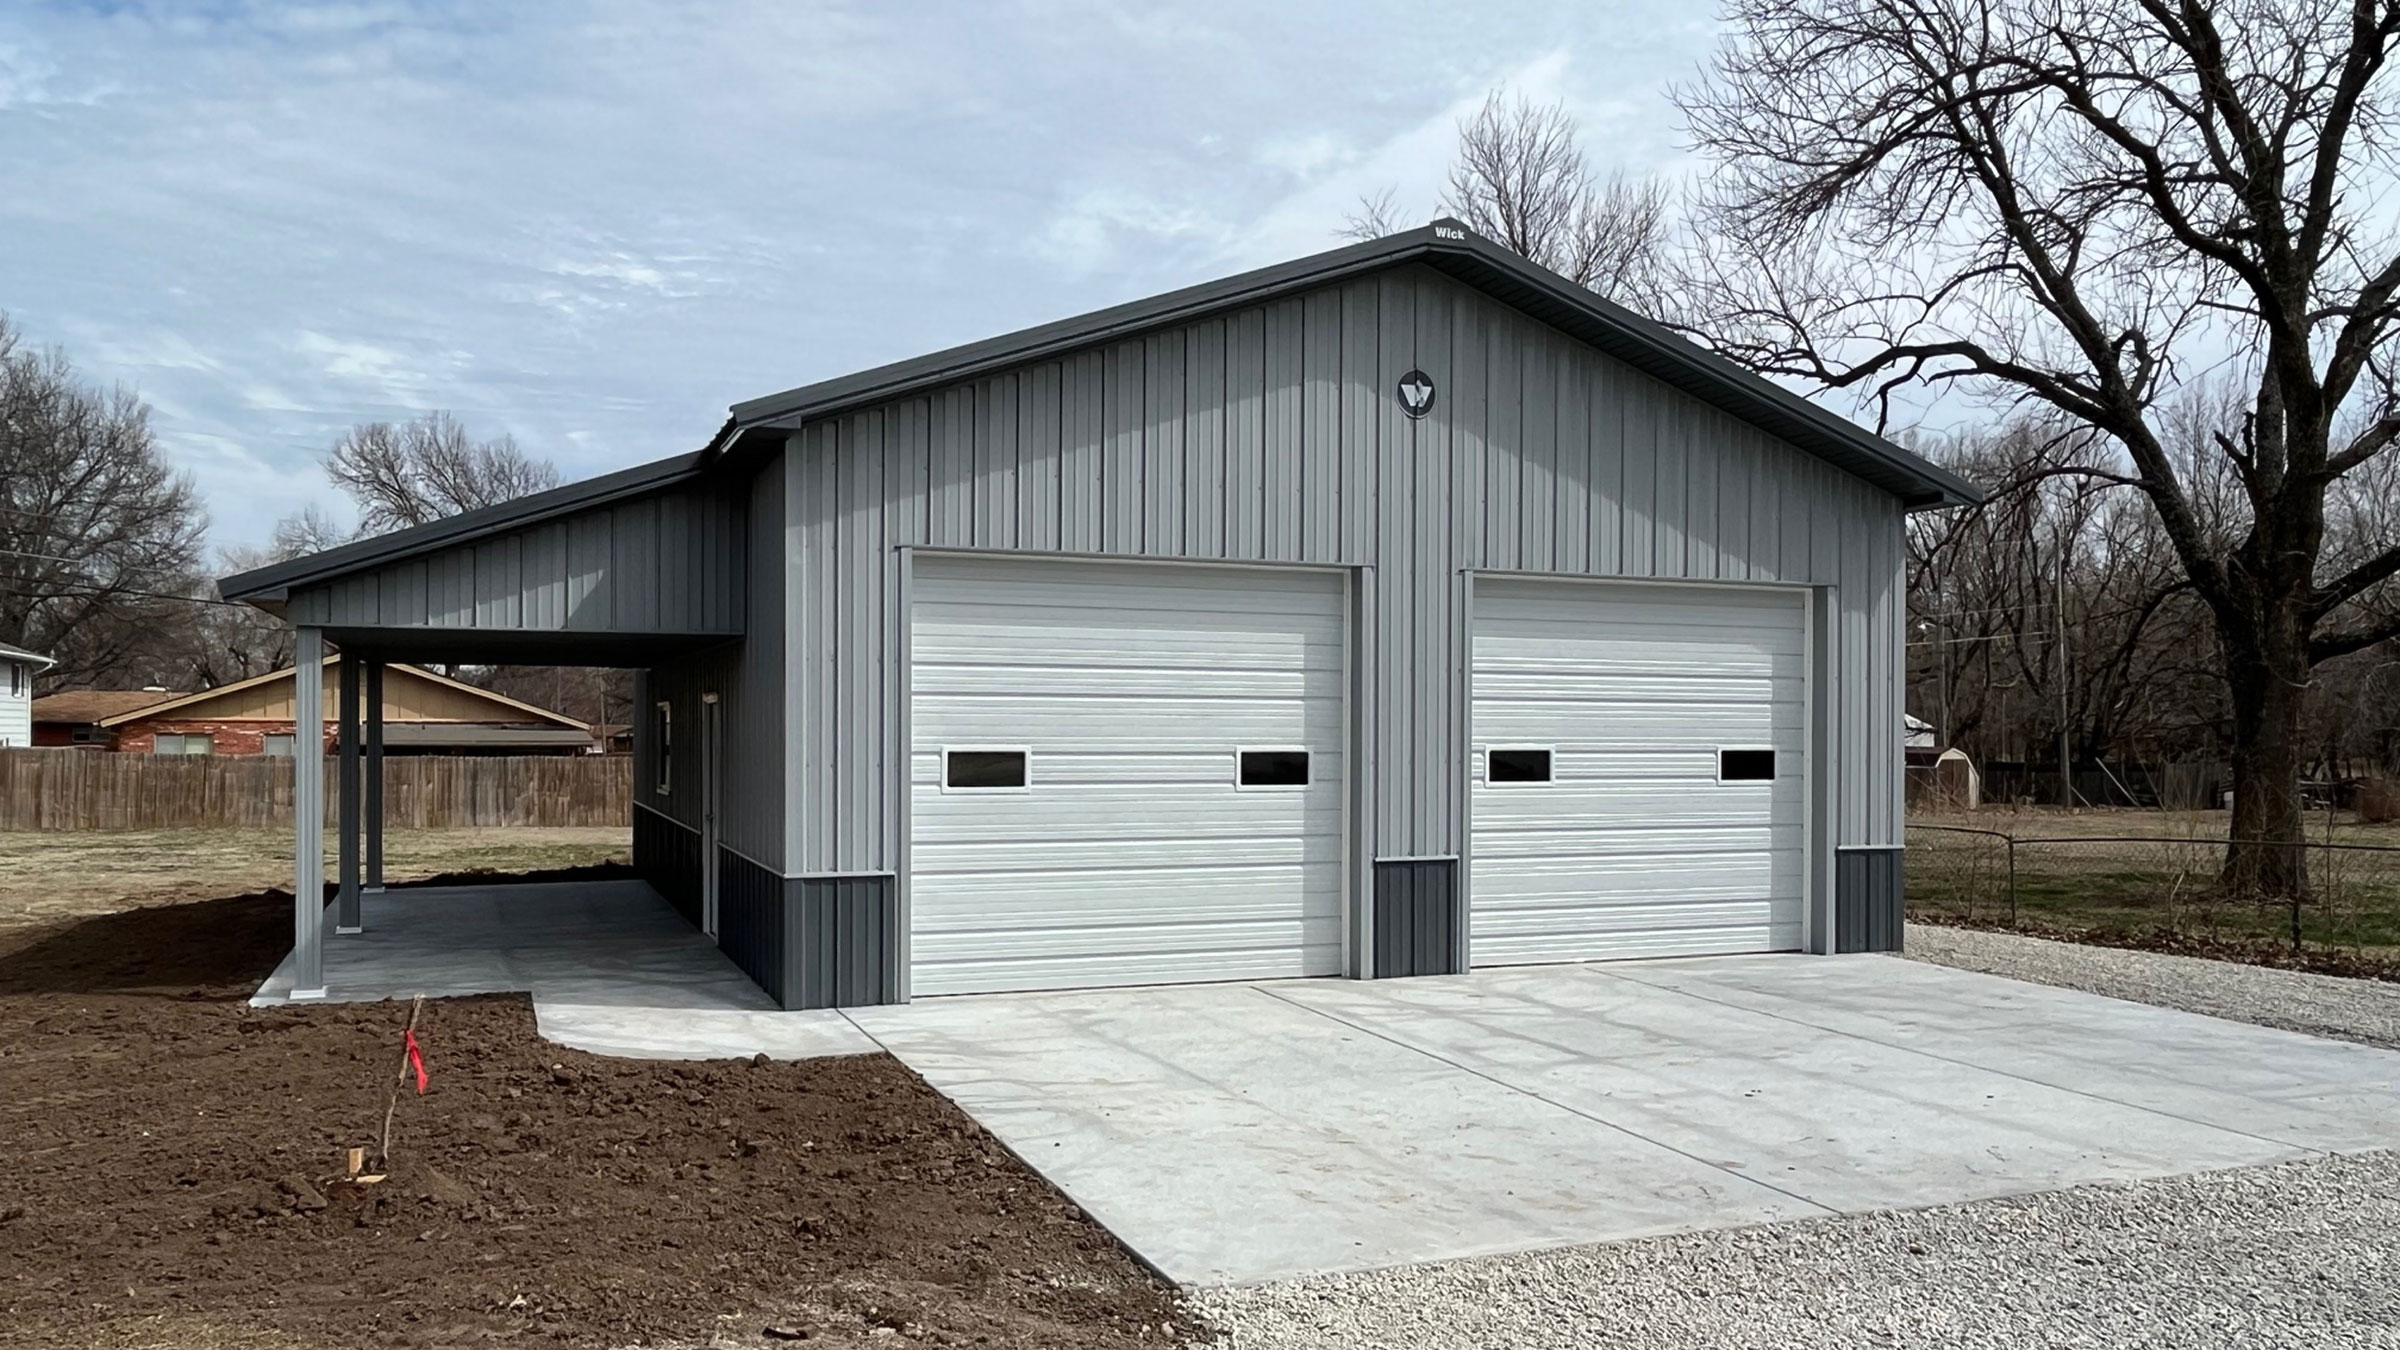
[{"x": 1387, "y": 612}]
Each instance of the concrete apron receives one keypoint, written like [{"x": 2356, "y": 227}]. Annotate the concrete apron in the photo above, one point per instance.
[
  {"x": 611, "y": 968},
  {"x": 1236, "y": 1133}
]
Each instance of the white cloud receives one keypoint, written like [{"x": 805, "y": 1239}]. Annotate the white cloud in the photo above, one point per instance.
[{"x": 593, "y": 225}]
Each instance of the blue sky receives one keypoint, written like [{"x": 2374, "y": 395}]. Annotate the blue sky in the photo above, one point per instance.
[{"x": 593, "y": 226}]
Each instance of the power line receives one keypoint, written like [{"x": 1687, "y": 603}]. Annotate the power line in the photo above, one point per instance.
[{"x": 139, "y": 595}]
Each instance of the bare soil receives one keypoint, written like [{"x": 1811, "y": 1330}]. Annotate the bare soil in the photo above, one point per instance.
[{"x": 171, "y": 1174}]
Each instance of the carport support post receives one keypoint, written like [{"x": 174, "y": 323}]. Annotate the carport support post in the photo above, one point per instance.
[
  {"x": 346, "y": 849},
  {"x": 308, "y": 814},
  {"x": 374, "y": 766}
]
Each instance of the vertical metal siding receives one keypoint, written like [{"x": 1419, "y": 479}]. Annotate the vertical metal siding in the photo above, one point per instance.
[
  {"x": 1271, "y": 434},
  {"x": 668, "y": 563},
  {"x": 747, "y": 677},
  {"x": 1868, "y": 886}
]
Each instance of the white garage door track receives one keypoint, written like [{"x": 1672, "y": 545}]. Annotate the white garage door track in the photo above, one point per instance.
[{"x": 1240, "y": 1132}]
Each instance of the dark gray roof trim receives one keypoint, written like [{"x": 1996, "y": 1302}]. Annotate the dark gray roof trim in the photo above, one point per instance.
[
  {"x": 275, "y": 582},
  {"x": 1642, "y": 343},
  {"x": 755, "y": 425}
]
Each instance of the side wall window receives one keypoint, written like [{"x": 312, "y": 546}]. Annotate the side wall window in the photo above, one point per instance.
[{"x": 662, "y": 726}]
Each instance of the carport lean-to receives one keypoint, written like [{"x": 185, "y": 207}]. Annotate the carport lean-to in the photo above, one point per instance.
[
  {"x": 627, "y": 570},
  {"x": 1395, "y": 611}
]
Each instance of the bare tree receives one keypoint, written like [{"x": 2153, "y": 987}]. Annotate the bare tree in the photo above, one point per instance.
[
  {"x": 1520, "y": 179},
  {"x": 98, "y": 536},
  {"x": 423, "y": 470},
  {"x": 1375, "y": 217},
  {"x": 2052, "y": 623},
  {"x": 2089, "y": 205}
]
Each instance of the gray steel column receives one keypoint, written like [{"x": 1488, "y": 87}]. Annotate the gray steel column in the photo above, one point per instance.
[
  {"x": 374, "y": 766},
  {"x": 346, "y": 847},
  {"x": 308, "y": 814}
]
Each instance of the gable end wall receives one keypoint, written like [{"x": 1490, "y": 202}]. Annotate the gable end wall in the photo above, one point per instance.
[{"x": 1271, "y": 434}]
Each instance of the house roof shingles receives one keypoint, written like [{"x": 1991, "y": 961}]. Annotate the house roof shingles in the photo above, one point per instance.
[{"x": 91, "y": 705}]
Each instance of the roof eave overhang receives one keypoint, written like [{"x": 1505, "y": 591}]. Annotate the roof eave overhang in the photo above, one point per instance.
[
  {"x": 760, "y": 425},
  {"x": 268, "y": 587}
]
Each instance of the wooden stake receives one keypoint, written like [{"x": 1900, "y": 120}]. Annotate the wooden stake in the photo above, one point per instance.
[
  {"x": 383, "y": 1154},
  {"x": 357, "y": 1162}
]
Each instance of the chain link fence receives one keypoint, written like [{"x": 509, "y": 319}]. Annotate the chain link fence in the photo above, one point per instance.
[{"x": 2154, "y": 891}]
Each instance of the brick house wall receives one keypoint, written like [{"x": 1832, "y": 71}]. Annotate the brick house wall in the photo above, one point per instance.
[{"x": 226, "y": 738}]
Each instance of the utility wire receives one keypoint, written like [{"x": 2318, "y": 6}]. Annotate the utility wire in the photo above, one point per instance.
[{"x": 139, "y": 595}]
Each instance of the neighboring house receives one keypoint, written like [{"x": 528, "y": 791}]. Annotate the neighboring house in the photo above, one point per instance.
[
  {"x": 424, "y": 713},
  {"x": 73, "y": 717},
  {"x": 1394, "y": 611},
  {"x": 17, "y": 669}
]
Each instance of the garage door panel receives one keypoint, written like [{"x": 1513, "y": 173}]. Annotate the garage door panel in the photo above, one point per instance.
[
  {"x": 1132, "y": 856},
  {"x": 1129, "y": 727},
  {"x": 1299, "y": 941},
  {"x": 1599, "y": 727},
  {"x": 1000, "y": 848},
  {"x": 1598, "y": 878},
  {"x": 1635, "y": 847},
  {"x": 1639, "y": 804},
  {"x": 1131, "y": 656},
  {"x": 1638, "y": 839},
  {"x": 974, "y": 974},
  {"x": 1641, "y": 944},
  {"x": 1055, "y": 898}
]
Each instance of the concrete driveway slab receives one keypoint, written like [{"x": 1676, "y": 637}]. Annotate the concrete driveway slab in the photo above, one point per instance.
[
  {"x": 1228, "y": 1135},
  {"x": 2298, "y": 1089},
  {"x": 1234, "y": 1133},
  {"x": 1847, "y": 1122},
  {"x": 611, "y": 968}
]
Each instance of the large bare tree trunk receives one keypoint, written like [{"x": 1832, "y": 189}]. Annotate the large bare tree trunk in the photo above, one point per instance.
[{"x": 2269, "y": 677}]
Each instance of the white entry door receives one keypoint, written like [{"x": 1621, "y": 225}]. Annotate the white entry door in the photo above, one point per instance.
[
  {"x": 1123, "y": 774},
  {"x": 1640, "y": 784}
]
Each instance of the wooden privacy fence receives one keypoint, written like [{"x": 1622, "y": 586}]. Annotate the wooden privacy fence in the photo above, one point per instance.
[{"x": 89, "y": 790}]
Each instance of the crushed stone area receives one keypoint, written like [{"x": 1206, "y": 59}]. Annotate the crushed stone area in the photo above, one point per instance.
[
  {"x": 2302, "y": 1255},
  {"x": 2366, "y": 1011},
  {"x": 174, "y": 1176}
]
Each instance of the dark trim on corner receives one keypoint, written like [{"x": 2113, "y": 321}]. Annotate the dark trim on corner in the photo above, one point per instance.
[
  {"x": 810, "y": 941},
  {"x": 666, "y": 853},
  {"x": 1869, "y": 885},
  {"x": 1416, "y": 916}
]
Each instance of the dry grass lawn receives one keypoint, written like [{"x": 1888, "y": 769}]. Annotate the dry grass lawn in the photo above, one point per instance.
[
  {"x": 2051, "y": 822},
  {"x": 47, "y": 876}
]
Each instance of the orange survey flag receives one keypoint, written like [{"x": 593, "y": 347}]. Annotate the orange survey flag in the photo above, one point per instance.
[{"x": 416, "y": 1060}]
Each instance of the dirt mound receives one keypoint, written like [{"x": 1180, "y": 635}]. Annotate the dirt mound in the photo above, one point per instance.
[{"x": 173, "y": 1177}]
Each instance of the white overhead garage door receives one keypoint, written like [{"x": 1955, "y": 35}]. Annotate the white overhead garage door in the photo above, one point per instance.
[
  {"x": 1639, "y": 778},
  {"x": 1123, "y": 774}
]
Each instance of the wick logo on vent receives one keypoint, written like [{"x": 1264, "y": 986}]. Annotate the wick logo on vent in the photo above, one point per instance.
[{"x": 1416, "y": 393}]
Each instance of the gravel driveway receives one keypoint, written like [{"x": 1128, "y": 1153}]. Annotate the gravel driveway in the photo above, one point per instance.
[
  {"x": 2302, "y": 1254},
  {"x": 2299, "y": 1255},
  {"x": 2367, "y": 1011}
]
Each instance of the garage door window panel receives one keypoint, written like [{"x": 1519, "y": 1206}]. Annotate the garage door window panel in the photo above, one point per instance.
[
  {"x": 1271, "y": 768},
  {"x": 1520, "y": 766},
  {"x": 1746, "y": 764},
  {"x": 987, "y": 768}
]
